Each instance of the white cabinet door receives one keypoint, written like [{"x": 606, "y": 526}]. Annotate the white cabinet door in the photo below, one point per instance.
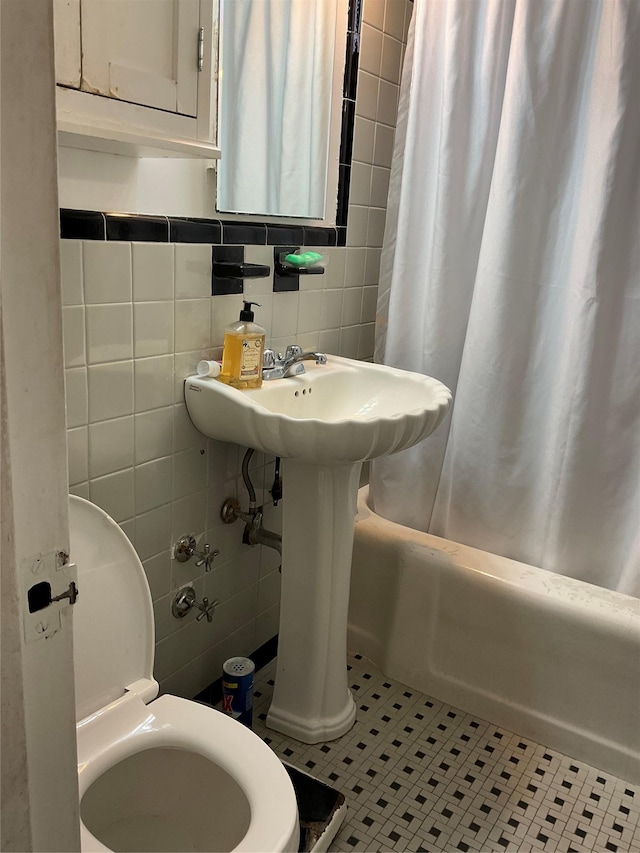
[{"x": 142, "y": 51}]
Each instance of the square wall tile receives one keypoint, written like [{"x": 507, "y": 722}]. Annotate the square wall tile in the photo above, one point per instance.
[
  {"x": 334, "y": 270},
  {"x": 71, "y": 272},
  {"x": 357, "y": 227},
  {"x": 366, "y": 340},
  {"x": 78, "y": 450},
  {"x": 369, "y": 304},
  {"x": 354, "y": 273},
  {"x": 375, "y": 230},
  {"x": 153, "y": 433},
  {"x": 267, "y": 625},
  {"x": 73, "y": 336},
  {"x": 158, "y": 572},
  {"x": 189, "y": 516},
  {"x": 364, "y": 139},
  {"x": 153, "y": 484},
  {"x": 360, "y": 191},
  {"x": 192, "y": 271},
  {"x": 109, "y": 333},
  {"x": 76, "y": 396},
  {"x": 331, "y": 310},
  {"x": 352, "y": 306},
  {"x": 394, "y": 19},
  {"x": 349, "y": 338},
  {"x": 153, "y": 382},
  {"x": 309, "y": 304},
  {"x": 153, "y": 531},
  {"x": 110, "y": 446},
  {"x": 370, "y": 49},
  {"x": 373, "y": 12},
  {"x": 107, "y": 271},
  {"x": 390, "y": 66},
  {"x": 110, "y": 390},
  {"x": 372, "y": 267},
  {"x": 189, "y": 472},
  {"x": 367, "y": 97},
  {"x": 152, "y": 272},
  {"x": 114, "y": 494},
  {"x": 285, "y": 315},
  {"x": 388, "y": 103},
  {"x": 379, "y": 186},
  {"x": 164, "y": 621},
  {"x": 192, "y": 324},
  {"x": 330, "y": 341},
  {"x": 383, "y": 149},
  {"x": 153, "y": 328}
]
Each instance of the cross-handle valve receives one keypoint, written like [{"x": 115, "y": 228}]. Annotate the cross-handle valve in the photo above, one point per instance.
[
  {"x": 185, "y": 548},
  {"x": 186, "y": 599}
]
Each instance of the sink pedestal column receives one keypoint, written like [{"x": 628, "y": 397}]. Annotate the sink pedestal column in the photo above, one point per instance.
[{"x": 311, "y": 700}]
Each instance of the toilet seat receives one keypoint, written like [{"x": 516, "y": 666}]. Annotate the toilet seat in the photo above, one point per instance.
[
  {"x": 181, "y": 724},
  {"x": 121, "y": 722}
]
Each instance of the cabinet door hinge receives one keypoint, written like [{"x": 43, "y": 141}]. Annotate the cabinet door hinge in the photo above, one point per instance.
[{"x": 200, "y": 48}]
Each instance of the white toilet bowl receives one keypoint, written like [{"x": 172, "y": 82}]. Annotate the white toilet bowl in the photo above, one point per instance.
[{"x": 157, "y": 774}]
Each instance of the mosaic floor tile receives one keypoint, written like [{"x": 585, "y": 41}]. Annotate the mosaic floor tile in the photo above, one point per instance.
[{"x": 420, "y": 775}]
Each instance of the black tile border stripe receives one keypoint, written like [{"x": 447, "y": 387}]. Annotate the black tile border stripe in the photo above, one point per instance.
[
  {"x": 82, "y": 225},
  {"x": 143, "y": 229},
  {"x": 97, "y": 225},
  {"x": 194, "y": 230}
]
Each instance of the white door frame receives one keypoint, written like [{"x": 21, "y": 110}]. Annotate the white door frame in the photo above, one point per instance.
[{"x": 39, "y": 775}]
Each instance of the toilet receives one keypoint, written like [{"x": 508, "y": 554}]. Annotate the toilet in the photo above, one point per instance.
[{"x": 156, "y": 774}]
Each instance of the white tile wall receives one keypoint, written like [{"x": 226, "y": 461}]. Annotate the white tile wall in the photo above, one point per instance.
[{"x": 137, "y": 319}]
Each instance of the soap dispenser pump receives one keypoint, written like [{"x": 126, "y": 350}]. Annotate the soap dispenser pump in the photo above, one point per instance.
[{"x": 243, "y": 349}]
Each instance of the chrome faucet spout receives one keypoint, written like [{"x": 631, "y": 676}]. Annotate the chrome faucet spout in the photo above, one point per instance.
[{"x": 291, "y": 362}]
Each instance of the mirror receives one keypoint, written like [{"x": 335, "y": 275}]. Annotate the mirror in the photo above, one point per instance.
[{"x": 279, "y": 106}]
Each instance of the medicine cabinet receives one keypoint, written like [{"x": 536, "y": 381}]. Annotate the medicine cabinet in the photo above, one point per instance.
[{"x": 138, "y": 77}]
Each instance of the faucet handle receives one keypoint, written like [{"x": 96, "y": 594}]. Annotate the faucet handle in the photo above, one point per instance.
[
  {"x": 206, "y": 557},
  {"x": 268, "y": 359},
  {"x": 292, "y": 350},
  {"x": 206, "y": 609}
]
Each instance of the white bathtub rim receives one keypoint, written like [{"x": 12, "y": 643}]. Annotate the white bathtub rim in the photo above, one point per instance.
[{"x": 621, "y": 612}]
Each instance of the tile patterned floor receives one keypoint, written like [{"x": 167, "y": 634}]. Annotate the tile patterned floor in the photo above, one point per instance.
[{"x": 420, "y": 775}]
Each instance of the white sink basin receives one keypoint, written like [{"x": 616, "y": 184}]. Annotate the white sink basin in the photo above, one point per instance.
[{"x": 345, "y": 411}]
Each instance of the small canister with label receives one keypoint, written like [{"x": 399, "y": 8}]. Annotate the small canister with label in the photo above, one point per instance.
[{"x": 237, "y": 689}]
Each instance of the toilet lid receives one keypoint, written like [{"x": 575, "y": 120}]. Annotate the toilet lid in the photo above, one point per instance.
[{"x": 113, "y": 631}]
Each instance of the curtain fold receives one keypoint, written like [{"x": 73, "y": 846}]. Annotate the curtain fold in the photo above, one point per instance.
[{"x": 511, "y": 272}]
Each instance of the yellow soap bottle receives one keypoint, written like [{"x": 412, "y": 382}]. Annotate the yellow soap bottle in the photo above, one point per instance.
[{"x": 242, "y": 352}]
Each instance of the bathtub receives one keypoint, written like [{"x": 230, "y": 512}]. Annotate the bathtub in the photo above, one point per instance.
[{"x": 548, "y": 657}]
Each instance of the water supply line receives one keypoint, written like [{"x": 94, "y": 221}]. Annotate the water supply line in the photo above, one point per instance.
[
  {"x": 254, "y": 533},
  {"x": 253, "y": 506}
]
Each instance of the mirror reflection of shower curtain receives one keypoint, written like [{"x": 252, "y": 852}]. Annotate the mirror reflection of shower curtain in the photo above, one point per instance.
[
  {"x": 511, "y": 272},
  {"x": 276, "y": 60}
]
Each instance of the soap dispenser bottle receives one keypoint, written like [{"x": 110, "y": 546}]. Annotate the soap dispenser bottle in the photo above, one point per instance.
[{"x": 242, "y": 352}]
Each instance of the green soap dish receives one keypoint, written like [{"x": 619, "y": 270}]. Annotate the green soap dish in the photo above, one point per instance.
[{"x": 306, "y": 259}]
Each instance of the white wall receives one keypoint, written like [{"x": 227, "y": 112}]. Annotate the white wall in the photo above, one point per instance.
[{"x": 90, "y": 180}]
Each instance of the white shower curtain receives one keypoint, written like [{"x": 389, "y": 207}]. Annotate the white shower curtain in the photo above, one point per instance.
[{"x": 511, "y": 272}]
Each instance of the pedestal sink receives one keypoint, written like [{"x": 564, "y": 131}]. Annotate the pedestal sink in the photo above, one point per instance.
[{"x": 324, "y": 424}]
